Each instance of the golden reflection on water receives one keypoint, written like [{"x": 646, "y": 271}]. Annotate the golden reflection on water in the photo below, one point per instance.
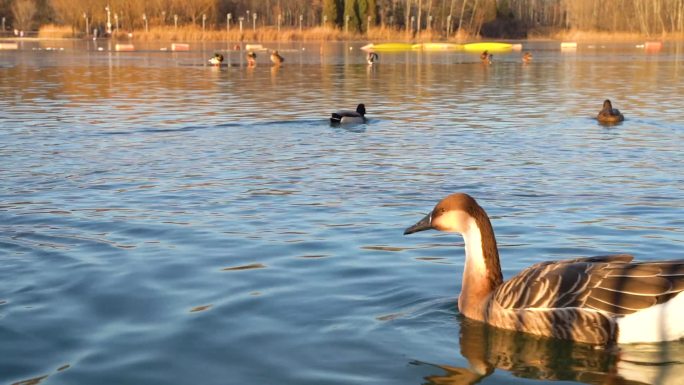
[
  {"x": 398, "y": 82},
  {"x": 487, "y": 349}
]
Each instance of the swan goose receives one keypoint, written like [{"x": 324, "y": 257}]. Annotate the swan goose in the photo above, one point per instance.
[{"x": 599, "y": 300}]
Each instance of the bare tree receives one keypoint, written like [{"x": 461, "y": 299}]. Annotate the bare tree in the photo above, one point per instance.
[
  {"x": 642, "y": 16},
  {"x": 23, "y": 11}
]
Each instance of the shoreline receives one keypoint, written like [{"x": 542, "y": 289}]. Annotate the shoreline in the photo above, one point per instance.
[{"x": 323, "y": 34}]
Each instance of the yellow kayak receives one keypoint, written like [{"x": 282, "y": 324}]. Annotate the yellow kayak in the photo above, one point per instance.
[
  {"x": 437, "y": 47},
  {"x": 388, "y": 47},
  {"x": 488, "y": 46}
]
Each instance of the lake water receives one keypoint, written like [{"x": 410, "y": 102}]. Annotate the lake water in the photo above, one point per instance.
[{"x": 163, "y": 221}]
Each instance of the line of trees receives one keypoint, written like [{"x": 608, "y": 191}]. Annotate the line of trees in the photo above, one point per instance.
[{"x": 446, "y": 16}]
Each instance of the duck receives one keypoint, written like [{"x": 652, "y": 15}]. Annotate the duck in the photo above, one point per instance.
[
  {"x": 349, "y": 117},
  {"x": 276, "y": 58},
  {"x": 527, "y": 57},
  {"x": 602, "y": 301},
  {"x": 217, "y": 59},
  {"x": 372, "y": 58},
  {"x": 251, "y": 58},
  {"x": 608, "y": 114},
  {"x": 486, "y": 57}
]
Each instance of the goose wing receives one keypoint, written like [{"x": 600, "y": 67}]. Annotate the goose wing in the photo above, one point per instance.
[{"x": 612, "y": 284}]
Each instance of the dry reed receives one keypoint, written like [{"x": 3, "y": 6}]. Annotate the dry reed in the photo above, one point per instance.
[
  {"x": 53, "y": 31},
  {"x": 601, "y": 36},
  {"x": 194, "y": 33},
  {"x": 375, "y": 34},
  {"x": 266, "y": 34}
]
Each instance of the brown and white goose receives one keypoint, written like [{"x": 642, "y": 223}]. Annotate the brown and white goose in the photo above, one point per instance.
[{"x": 597, "y": 300}]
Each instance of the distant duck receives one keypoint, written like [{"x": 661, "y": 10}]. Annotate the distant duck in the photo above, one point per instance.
[
  {"x": 276, "y": 58},
  {"x": 372, "y": 58},
  {"x": 251, "y": 58},
  {"x": 609, "y": 114},
  {"x": 217, "y": 59},
  {"x": 527, "y": 57},
  {"x": 486, "y": 57},
  {"x": 596, "y": 300},
  {"x": 349, "y": 117}
]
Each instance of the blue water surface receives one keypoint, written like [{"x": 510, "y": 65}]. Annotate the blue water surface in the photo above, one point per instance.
[{"x": 163, "y": 221}]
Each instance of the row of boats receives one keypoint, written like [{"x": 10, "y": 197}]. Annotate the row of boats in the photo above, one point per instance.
[{"x": 470, "y": 47}]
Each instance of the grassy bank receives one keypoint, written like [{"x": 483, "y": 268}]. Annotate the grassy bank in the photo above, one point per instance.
[{"x": 378, "y": 34}]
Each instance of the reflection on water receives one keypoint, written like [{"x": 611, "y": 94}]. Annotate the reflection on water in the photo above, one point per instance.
[
  {"x": 487, "y": 349},
  {"x": 167, "y": 221}
]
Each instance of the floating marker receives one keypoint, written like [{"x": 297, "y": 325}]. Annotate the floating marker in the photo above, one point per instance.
[
  {"x": 124, "y": 47},
  {"x": 653, "y": 46},
  {"x": 180, "y": 47},
  {"x": 8, "y": 46}
]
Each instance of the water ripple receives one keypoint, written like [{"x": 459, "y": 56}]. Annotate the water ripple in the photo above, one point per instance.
[{"x": 154, "y": 209}]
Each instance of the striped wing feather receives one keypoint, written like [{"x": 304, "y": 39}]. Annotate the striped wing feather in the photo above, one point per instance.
[{"x": 613, "y": 284}]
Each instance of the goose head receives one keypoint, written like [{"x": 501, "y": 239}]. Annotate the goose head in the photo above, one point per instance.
[{"x": 452, "y": 214}]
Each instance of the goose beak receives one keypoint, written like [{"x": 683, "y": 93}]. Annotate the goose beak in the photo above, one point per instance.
[{"x": 423, "y": 224}]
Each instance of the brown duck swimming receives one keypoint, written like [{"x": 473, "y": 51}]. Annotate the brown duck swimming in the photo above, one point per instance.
[
  {"x": 251, "y": 59},
  {"x": 609, "y": 114},
  {"x": 486, "y": 57},
  {"x": 371, "y": 58},
  {"x": 276, "y": 58},
  {"x": 527, "y": 58}
]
